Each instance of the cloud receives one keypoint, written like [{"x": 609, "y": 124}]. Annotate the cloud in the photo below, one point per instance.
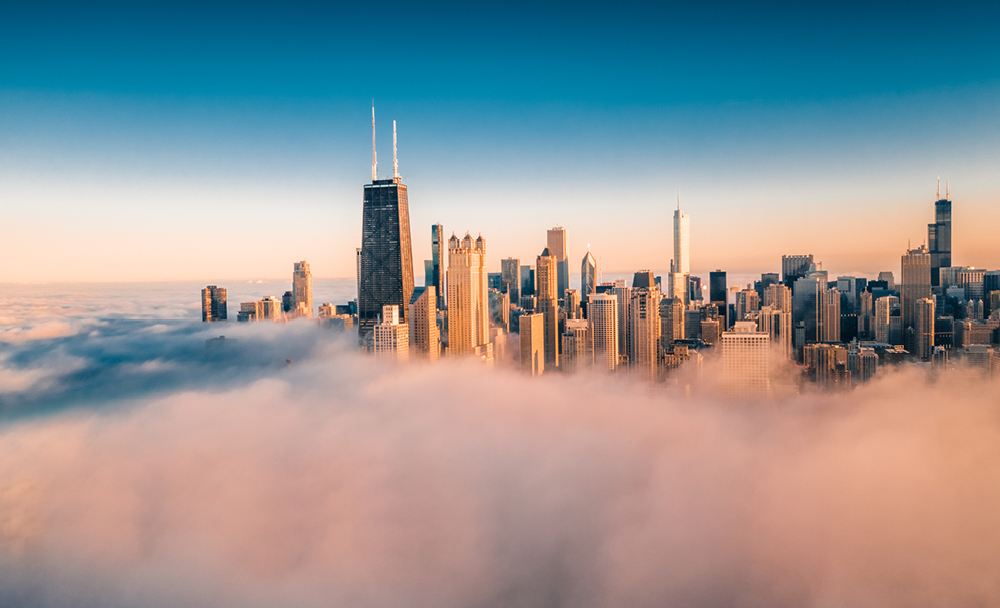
[{"x": 337, "y": 481}]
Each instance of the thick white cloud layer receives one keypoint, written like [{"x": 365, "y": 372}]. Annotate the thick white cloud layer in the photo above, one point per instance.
[
  {"x": 339, "y": 482},
  {"x": 140, "y": 466}
]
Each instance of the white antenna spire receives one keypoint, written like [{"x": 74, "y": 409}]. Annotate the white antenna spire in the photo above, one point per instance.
[
  {"x": 678, "y": 199},
  {"x": 939, "y": 188},
  {"x": 395, "y": 165},
  {"x": 374, "y": 154},
  {"x": 947, "y": 189}
]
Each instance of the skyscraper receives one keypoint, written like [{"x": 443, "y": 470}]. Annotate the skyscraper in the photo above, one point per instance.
[
  {"x": 602, "y": 320},
  {"x": 546, "y": 287},
  {"x": 915, "y": 285},
  {"x": 624, "y": 294},
  {"x": 779, "y": 297},
  {"x": 925, "y": 328},
  {"x": 468, "y": 300},
  {"x": 510, "y": 278},
  {"x": 577, "y": 349},
  {"x": 830, "y": 315},
  {"x": 557, "y": 247},
  {"x": 424, "y": 334},
  {"x": 588, "y": 277},
  {"x": 719, "y": 295},
  {"x": 437, "y": 263},
  {"x": 532, "y": 342},
  {"x": 386, "y": 265},
  {"x": 302, "y": 289},
  {"x": 680, "y": 266},
  {"x": 794, "y": 267},
  {"x": 644, "y": 326},
  {"x": 747, "y": 303},
  {"x": 391, "y": 337},
  {"x": 745, "y": 365},
  {"x": 939, "y": 235},
  {"x": 213, "y": 304}
]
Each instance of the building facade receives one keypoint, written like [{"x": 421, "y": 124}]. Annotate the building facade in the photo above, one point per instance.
[
  {"x": 214, "y": 306},
  {"x": 468, "y": 299}
]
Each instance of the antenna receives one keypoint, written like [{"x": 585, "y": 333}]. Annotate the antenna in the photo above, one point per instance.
[
  {"x": 374, "y": 154},
  {"x": 678, "y": 199},
  {"x": 395, "y": 165},
  {"x": 947, "y": 189},
  {"x": 939, "y": 188}
]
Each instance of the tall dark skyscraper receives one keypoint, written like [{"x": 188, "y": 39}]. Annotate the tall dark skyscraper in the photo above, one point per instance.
[
  {"x": 437, "y": 268},
  {"x": 939, "y": 235},
  {"x": 386, "y": 265},
  {"x": 718, "y": 293},
  {"x": 794, "y": 267}
]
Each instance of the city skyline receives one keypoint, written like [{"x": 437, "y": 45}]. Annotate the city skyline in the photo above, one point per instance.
[{"x": 142, "y": 155}]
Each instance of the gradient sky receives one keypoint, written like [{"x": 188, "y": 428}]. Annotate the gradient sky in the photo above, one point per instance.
[{"x": 179, "y": 141}]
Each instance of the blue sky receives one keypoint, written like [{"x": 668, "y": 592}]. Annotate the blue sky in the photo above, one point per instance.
[{"x": 179, "y": 141}]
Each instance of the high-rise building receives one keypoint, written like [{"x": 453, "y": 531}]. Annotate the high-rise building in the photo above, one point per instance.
[
  {"x": 719, "y": 295},
  {"x": 745, "y": 365},
  {"x": 624, "y": 294},
  {"x": 807, "y": 309},
  {"x": 971, "y": 280},
  {"x": 747, "y": 303},
  {"x": 916, "y": 285},
  {"x": 510, "y": 278},
  {"x": 302, "y": 289},
  {"x": 778, "y": 326},
  {"x": 532, "y": 343},
  {"x": 644, "y": 328},
  {"x": 939, "y": 235},
  {"x": 557, "y": 247},
  {"x": 386, "y": 266},
  {"x": 680, "y": 265},
  {"x": 499, "y": 310},
  {"x": 588, "y": 277},
  {"x": 424, "y": 333},
  {"x": 779, "y": 297},
  {"x": 437, "y": 264},
  {"x": 213, "y": 304},
  {"x": 671, "y": 322},
  {"x": 527, "y": 280},
  {"x": 267, "y": 308},
  {"x": 571, "y": 298},
  {"x": 890, "y": 281},
  {"x": 577, "y": 348},
  {"x": 391, "y": 337},
  {"x": 925, "y": 328},
  {"x": 602, "y": 320},
  {"x": 884, "y": 308},
  {"x": 794, "y": 267},
  {"x": 468, "y": 300},
  {"x": 546, "y": 288},
  {"x": 830, "y": 315}
]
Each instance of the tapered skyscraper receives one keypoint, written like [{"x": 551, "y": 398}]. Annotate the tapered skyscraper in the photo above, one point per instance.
[
  {"x": 386, "y": 266},
  {"x": 588, "y": 277},
  {"x": 680, "y": 266},
  {"x": 939, "y": 235}
]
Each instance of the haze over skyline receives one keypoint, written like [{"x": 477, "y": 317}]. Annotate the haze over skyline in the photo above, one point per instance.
[{"x": 226, "y": 142}]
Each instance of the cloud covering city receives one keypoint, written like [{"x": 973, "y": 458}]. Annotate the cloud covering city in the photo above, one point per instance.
[{"x": 140, "y": 465}]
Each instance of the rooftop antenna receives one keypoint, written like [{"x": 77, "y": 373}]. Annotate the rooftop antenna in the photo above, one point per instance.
[
  {"x": 395, "y": 165},
  {"x": 374, "y": 154},
  {"x": 678, "y": 199},
  {"x": 939, "y": 188},
  {"x": 947, "y": 189}
]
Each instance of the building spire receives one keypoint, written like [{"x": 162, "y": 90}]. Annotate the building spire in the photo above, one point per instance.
[
  {"x": 395, "y": 164},
  {"x": 678, "y": 199},
  {"x": 939, "y": 188},
  {"x": 374, "y": 154},
  {"x": 947, "y": 189}
]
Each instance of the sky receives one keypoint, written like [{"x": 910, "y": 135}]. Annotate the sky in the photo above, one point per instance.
[{"x": 154, "y": 141}]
